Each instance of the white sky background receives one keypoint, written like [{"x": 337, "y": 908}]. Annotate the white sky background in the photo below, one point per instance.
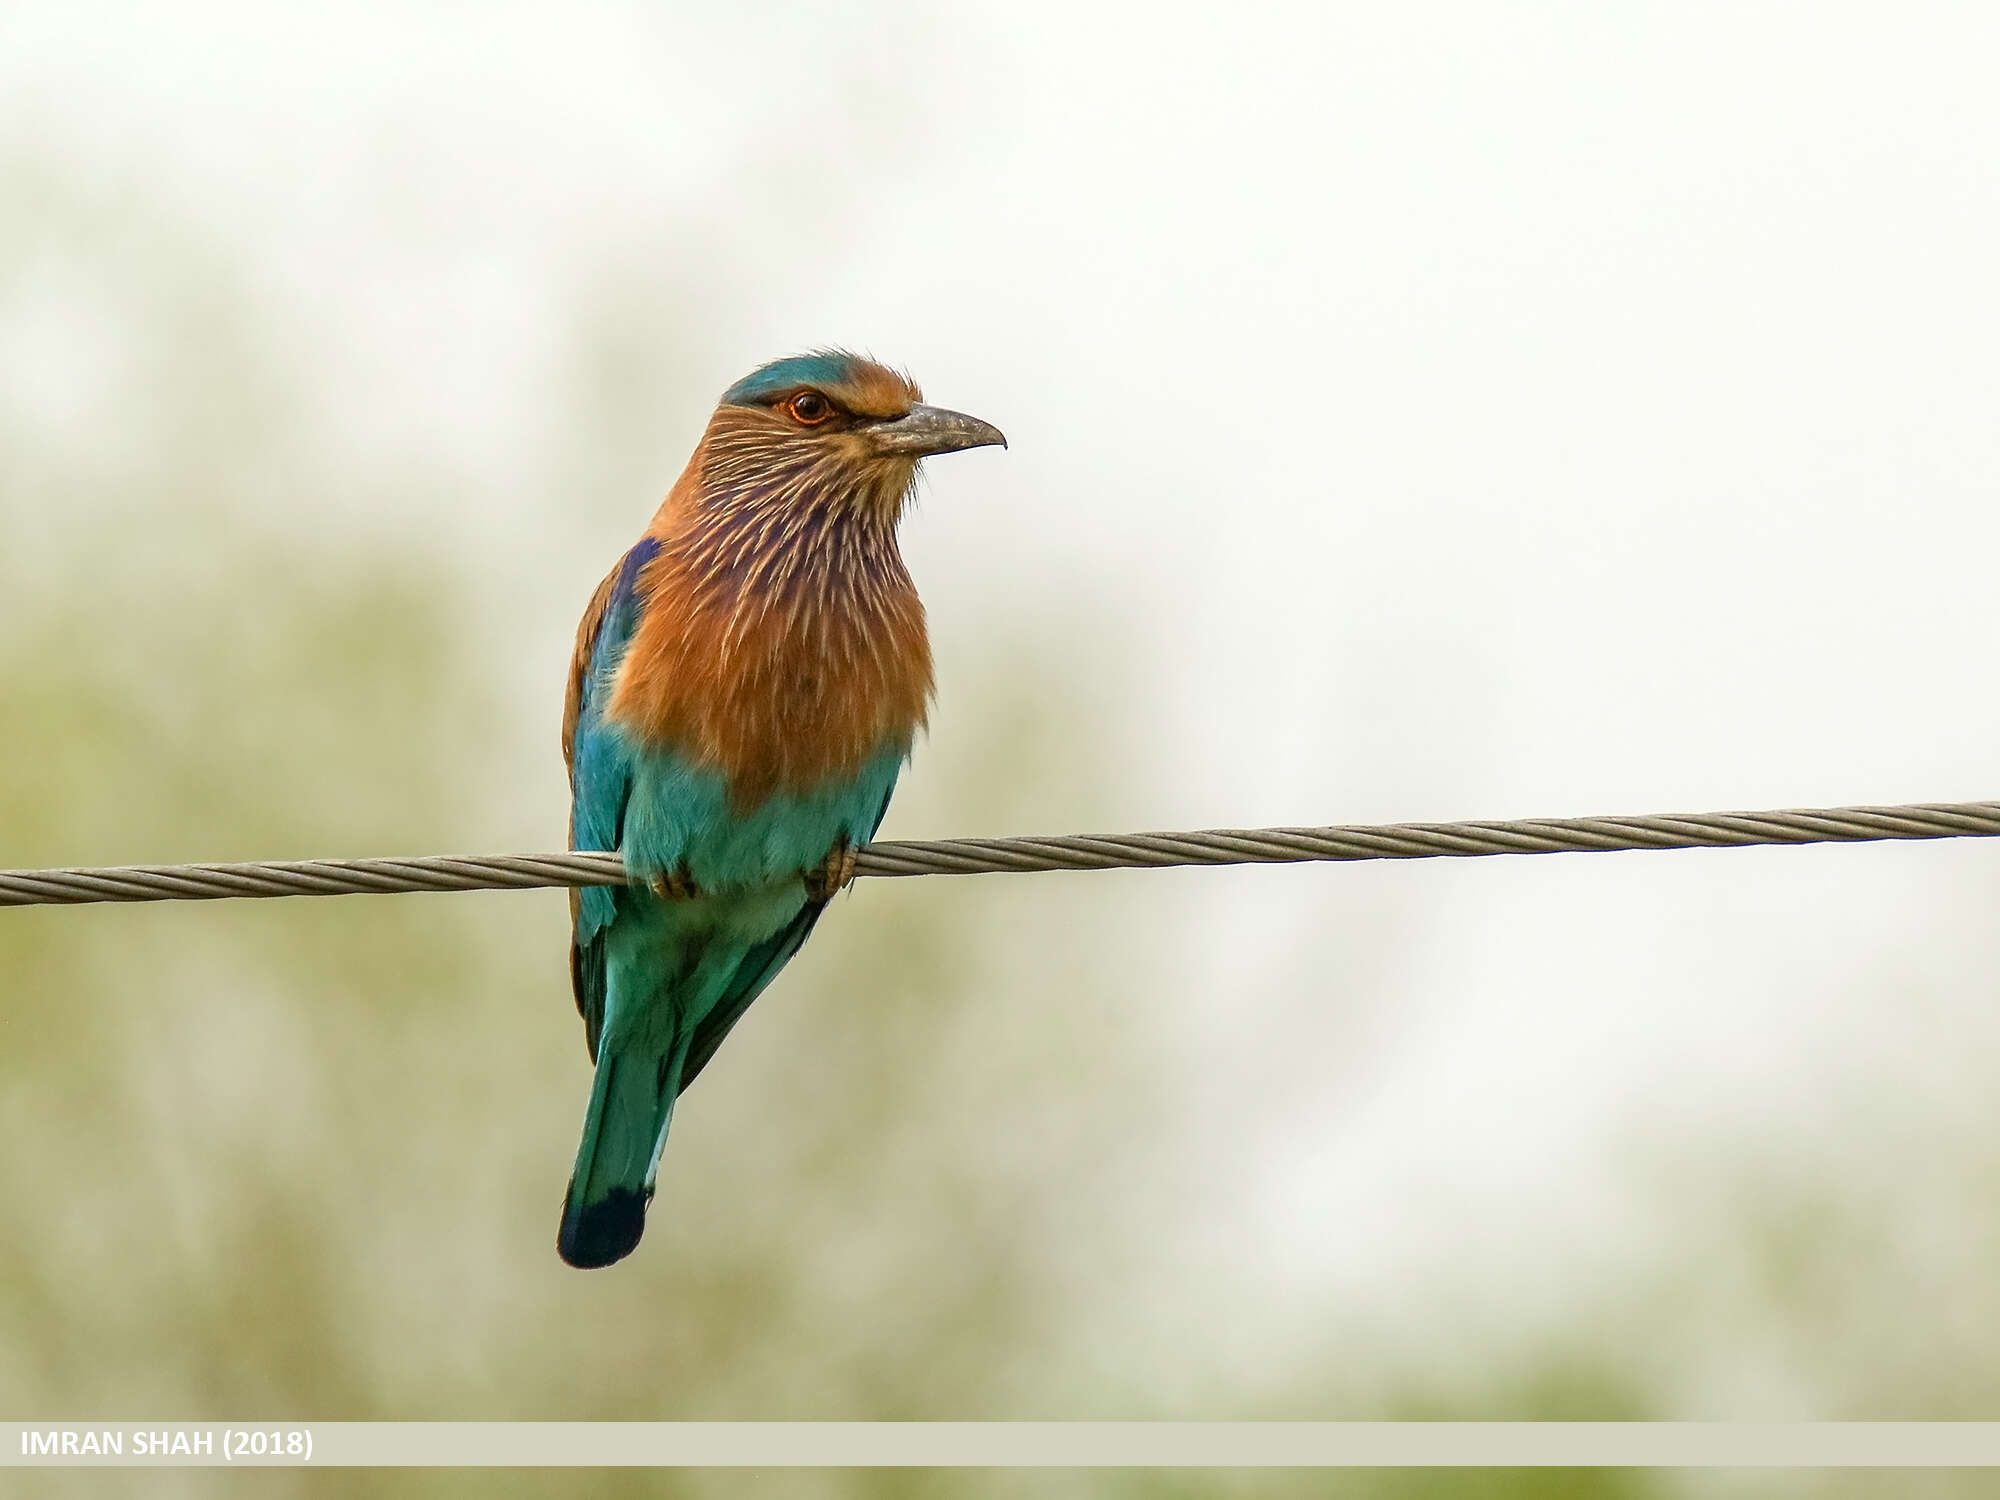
[{"x": 1433, "y": 412}]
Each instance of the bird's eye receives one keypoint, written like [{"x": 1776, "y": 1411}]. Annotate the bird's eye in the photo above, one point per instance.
[{"x": 809, "y": 407}]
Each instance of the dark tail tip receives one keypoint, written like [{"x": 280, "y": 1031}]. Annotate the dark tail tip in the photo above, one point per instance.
[{"x": 603, "y": 1232}]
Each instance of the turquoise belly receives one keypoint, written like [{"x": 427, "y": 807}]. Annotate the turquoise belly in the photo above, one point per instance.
[{"x": 677, "y": 813}]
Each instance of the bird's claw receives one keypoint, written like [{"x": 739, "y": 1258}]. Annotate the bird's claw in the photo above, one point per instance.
[
  {"x": 674, "y": 885},
  {"x": 832, "y": 874}
]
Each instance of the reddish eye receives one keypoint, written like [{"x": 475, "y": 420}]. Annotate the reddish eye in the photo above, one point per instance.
[{"x": 809, "y": 407}]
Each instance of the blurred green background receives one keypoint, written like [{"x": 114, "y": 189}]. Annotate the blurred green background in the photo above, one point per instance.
[{"x": 976, "y": 1155}]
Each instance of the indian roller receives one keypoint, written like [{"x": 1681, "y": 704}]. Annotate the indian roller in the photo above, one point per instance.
[{"x": 747, "y": 684}]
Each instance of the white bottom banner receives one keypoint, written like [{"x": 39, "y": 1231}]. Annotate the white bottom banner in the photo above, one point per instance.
[{"x": 1008, "y": 1444}]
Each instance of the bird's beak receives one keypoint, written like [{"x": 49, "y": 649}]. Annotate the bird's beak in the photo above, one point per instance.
[{"x": 924, "y": 430}]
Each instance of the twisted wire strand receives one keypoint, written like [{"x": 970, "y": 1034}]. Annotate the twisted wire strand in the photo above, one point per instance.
[{"x": 1106, "y": 851}]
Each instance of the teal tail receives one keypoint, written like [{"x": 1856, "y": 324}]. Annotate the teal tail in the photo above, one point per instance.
[{"x": 631, "y": 1105}]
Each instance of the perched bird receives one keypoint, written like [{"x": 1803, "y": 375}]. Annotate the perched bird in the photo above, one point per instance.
[{"x": 748, "y": 681}]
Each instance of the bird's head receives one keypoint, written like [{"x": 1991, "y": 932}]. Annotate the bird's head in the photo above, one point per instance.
[{"x": 830, "y": 427}]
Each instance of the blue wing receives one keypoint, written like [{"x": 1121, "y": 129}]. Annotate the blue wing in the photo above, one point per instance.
[{"x": 600, "y": 770}]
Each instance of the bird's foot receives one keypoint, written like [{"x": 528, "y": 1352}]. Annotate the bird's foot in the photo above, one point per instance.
[
  {"x": 675, "y": 885},
  {"x": 832, "y": 874}
]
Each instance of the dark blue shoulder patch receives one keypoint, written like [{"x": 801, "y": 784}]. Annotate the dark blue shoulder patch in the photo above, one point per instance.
[
  {"x": 628, "y": 572},
  {"x": 621, "y": 610}
]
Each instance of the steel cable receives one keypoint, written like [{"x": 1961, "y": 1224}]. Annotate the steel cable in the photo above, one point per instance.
[{"x": 1105, "y": 851}]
